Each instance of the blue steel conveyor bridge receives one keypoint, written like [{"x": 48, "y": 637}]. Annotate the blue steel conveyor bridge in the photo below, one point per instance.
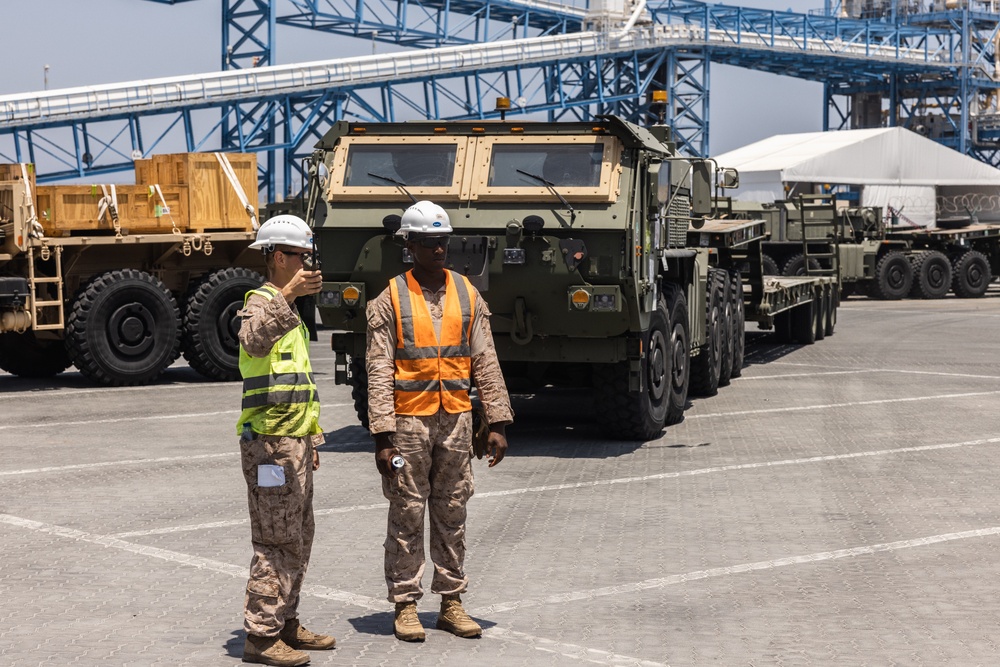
[{"x": 933, "y": 71}]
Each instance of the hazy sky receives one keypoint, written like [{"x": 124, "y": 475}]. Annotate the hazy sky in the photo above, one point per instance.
[{"x": 105, "y": 41}]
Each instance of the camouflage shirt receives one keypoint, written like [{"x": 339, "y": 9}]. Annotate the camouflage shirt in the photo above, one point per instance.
[{"x": 381, "y": 360}]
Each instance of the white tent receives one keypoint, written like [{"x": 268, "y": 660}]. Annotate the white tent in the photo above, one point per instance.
[{"x": 892, "y": 167}]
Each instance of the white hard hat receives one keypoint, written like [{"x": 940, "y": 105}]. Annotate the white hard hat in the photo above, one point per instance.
[
  {"x": 284, "y": 230},
  {"x": 425, "y": 217}
]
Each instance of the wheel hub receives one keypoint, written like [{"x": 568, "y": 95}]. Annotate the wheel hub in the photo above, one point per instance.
[
  {"x": 228, "y": 326},
  {"x": 130, "y": 329},
  {"x": 657, "y": 365}
]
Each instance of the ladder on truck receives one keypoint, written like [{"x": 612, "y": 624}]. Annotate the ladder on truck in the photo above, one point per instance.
[
  {"x": 819, "y": 212},
  {"x": 37, "y": 301}
]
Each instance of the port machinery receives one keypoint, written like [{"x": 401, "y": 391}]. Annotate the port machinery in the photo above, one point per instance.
[{"x": 930, "y": 65}]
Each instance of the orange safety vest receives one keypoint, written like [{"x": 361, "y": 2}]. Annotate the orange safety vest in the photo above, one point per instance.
[{"x": 431, "y": 374}]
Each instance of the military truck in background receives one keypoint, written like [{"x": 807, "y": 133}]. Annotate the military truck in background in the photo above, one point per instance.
[
  {"x": 873, "y": 254},
  {"x": 593, "y": 243},
  {"x": 120, "y": 280}
]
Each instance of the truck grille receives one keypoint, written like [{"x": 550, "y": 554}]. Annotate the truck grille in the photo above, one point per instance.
[{"x": 677, "y": 221}]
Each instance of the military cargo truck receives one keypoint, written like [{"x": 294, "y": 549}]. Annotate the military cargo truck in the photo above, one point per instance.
[
  {"x": 592, "y": 243},
  {"x": 121, "y": 280},
  {"x": 814, "y": 235}
]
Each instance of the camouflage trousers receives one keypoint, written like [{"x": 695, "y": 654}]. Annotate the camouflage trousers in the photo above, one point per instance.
[
  {"x": 437, "y": 475},
  {"x": 282, "y": 529}
]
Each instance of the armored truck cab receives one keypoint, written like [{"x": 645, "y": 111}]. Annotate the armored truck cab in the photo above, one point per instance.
[{"x": 575, "y": 233}]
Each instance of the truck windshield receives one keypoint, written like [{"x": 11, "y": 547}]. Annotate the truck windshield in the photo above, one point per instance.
[
  {"x": 428, "y": 165},
  {"x": 573, "y": 165}
]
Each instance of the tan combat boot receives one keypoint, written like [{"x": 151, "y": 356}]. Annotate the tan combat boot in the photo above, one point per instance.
[
  {"x": 407, "y": 625},
  {"x": 272, "y": 651},
  {"x": 299, "y": 638},
  {"x": 454, "y": 619}
]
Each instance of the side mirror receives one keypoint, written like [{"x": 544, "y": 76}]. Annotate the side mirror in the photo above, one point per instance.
[
  {"x": 729, "y": 178},
  {"x": 701, "y": 189}
]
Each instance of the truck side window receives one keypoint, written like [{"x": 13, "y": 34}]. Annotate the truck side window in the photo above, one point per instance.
[{"x": 426, "y": 165}]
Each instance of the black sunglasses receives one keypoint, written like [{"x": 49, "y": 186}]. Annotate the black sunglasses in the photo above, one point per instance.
[
  {"x": 304, "y": 255},
  {"x": 433, "y": 242}
]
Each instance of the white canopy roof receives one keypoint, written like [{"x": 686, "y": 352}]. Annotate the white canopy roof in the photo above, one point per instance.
[{"x": 882, "y": 156}]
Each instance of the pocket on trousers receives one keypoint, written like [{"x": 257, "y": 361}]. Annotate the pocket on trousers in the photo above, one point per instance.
[
  {"x": 264, "y": 589},
  {"x": 272, "y": 509}
]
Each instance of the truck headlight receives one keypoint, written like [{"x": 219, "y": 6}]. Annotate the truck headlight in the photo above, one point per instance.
[{"x": 329, "y": 298}]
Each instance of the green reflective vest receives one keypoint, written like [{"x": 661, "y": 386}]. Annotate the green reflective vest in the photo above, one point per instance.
[{"x": 279, "y": 393}]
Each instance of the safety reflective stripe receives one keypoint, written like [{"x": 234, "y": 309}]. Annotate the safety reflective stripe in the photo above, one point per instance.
[
  {"x": 278, "y": 397},
  {"x": 417, "y": 385},
  {"x": 465, "y": 303},
  {"x": 447, "y": 351},
  {"x": 265, "y": 381},
  {"x": 406, "y": 334},
  {"x": 456, "y": 385}
]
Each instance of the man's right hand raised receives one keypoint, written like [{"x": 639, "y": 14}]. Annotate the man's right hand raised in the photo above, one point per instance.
[{"x": 303, "y": 283}]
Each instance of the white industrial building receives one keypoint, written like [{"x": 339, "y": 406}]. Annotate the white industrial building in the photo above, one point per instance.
[{"x": 888, "y": 167}]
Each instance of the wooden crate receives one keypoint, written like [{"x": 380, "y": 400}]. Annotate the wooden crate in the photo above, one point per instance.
[
  {"x": 212, "y": 203},
  {"x": 70, "y": 208}
]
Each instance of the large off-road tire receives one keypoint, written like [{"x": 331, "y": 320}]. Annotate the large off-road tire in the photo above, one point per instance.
[
  {"x": 970, "y": 275},
  {"x": 123, "y": 328},
  {"x": 359, "y": 389},
  {"x": 769, "y": 267},
  {"x": 893, "y": 277},
  {"x": 210, "y": 330},
  {"x": 706, "y": 367},
  {"x": 24, "y": 355},
  {"x": 931, "y": 275},
  {"x": 680, "y": 353},
  {"x": 728, "y": 315},
  {"x": 739, "y": 322},
  {"x": 637, "y": 415},
  {"x": 796, "y": 265}
]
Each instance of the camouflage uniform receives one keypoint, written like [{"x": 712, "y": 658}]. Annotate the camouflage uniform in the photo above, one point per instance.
[
  {"x": 438, "y": 470},
  {"x": 281, "y": 517}
]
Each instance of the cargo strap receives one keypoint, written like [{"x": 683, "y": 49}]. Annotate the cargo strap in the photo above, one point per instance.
[
  {"x": 227, "y": 169},
  {"x": 36, "y": 227},
  {"x": 165, "y": 208},
  {"x": 109, "y": 204}
]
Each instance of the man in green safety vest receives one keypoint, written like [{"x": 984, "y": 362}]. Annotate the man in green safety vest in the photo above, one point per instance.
[{"x": 279, "y": 432}]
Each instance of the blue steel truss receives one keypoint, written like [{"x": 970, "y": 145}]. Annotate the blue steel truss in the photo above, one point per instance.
[{"x": 932, "y": 72}]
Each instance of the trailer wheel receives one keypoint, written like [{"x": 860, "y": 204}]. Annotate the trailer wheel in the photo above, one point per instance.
[
  {"x": 359, "y": 390},
  {"x": 637, "y": 415},
  {"x": 971, "y": 275},
  {"x": 123, "y": 328},
  {"x": 24, "y": 355},
  {"x": 680, "y": 353},
  {"x": 769, "y": 267},
  {"x": 706, "y": 367},
  {"x": 211, "y": 327},
  {"x": 739, "y": 322},
  {"x": 819, "y": 315},
  {"x": 833, "y": 302},
  {"x": 893, "y": 277},
  {"x": 931, "y": 275},
  {"x": 796, "y": 265},
  {"x": 727, "y": 315},
  {"x": 804, "y": 323}
]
